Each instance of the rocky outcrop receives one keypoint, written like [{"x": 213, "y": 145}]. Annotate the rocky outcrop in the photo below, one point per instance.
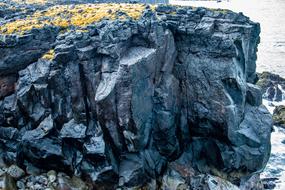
[
  {"x": 7, "y": 85},
  {"x": 138, "y": 103},
  {"x": 272, "y": 86},
  {"x": 279, "y": 116}
]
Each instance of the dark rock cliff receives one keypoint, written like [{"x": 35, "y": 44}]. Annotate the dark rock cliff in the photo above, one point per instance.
[{"x": 128, "y": 102}]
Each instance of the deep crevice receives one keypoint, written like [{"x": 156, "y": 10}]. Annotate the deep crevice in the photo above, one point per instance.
[{"x": 84, "y": 90}]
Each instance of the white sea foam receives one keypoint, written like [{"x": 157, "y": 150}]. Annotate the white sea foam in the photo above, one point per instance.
[
  {"x": 276, "y": 164},
  {"x": 270, "y": 105}
]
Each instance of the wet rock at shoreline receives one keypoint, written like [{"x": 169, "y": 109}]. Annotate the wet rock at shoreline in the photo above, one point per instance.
[
  {"x": 269, "y": 183},
  {"x": 279, "y": 116},
  {"x": 15, "y": 172},
  {"x": 272, "y": 86}
]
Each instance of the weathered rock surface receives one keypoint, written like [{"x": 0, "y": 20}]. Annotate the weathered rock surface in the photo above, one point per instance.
[
  {"x": 125, "y": 101},
  {"x": 279, "y": 116},
  {"x": 272, "y": 86},
  {"x": 7, "y": 85}
]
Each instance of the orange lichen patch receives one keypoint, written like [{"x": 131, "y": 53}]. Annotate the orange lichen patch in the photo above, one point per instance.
[
  {"x": 49, "y": 55},
  {"x": 76, "y": 15}
]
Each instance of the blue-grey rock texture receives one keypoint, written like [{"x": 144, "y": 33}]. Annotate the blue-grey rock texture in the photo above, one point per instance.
[
  {"x": 134, "y": 103},
  {"x": 272, "y": 86}
]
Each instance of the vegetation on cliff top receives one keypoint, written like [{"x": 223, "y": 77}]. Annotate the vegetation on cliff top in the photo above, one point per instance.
[
  {"x": 31, "y": 1},
  {"x": 79, "y": 15},
  {"x": 73, "y": 15}
]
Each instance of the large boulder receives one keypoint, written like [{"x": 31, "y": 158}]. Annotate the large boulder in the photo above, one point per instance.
[
  {"x": 272, "y": 86},
  {"x": 130, "y": 103},
  {"x": 279, "y": 116}
]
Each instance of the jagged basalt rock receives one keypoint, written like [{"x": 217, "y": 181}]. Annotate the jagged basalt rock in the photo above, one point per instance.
[
  {"x": 135, "y": 103},
  {"x": 272, "y": 86},
  {"x": 7, "y": 85},
  {"x": 279, "y": 116}
]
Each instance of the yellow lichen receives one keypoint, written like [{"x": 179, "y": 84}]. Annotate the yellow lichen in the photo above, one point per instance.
[
  {"x": 31, "y": 1},
  {"x": 152, "y": 7},
  {"x": 77, "y": 15},
  {"x": 49, "y": 55},
  {"x": 81, "y": 30},
  {"x": 222, "y": 11}
]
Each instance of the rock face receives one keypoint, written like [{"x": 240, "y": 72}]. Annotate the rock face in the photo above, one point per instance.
[{"x": 124, "y": 101}]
